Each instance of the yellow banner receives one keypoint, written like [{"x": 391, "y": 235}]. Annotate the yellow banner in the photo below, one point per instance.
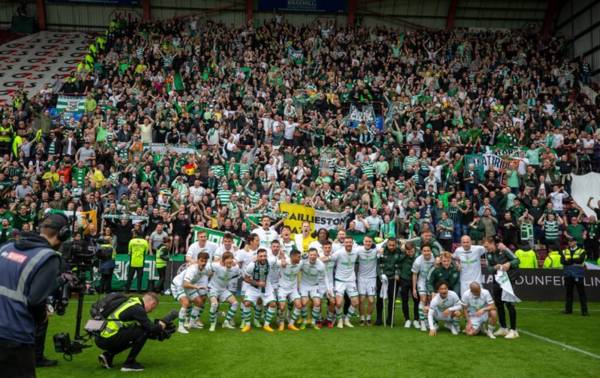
[
  {"x": 295, "y": 215},
  {"x": 87, "y": 219}
]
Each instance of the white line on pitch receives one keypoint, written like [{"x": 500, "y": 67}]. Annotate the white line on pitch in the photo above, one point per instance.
[
  {"x": 562, "y": 345},
  {"x": 557, "y": 310}
]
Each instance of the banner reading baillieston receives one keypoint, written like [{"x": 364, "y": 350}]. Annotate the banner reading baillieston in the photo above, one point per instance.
[
  {"x": 329, "y": 220},
  {"x": 294, "y": 215}
]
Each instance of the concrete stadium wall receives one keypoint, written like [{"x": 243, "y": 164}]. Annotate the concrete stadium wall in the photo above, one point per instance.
[{"x": 579, "y": 21}]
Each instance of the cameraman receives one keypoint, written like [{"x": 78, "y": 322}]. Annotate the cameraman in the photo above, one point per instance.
[
  {"x": 29, "y": 268},
  {"x": 128, "y": 327}
]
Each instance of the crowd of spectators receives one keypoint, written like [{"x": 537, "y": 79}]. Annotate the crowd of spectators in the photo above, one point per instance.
[{"x": 259, "y": 116}]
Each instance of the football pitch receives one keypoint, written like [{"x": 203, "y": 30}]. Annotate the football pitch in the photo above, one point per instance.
[{"x": 551, "y": 344}]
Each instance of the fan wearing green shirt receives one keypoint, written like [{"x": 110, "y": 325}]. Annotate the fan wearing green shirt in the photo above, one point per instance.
[
  {"x": 6, "y": 214},
  {"x": 79, "y": 172},
  {"x": 576, "y": 231}
]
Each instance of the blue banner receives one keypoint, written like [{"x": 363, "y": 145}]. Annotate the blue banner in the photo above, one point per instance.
[
  {"x": 128, "y": 3},
  {"x": 326, "y": 6}
]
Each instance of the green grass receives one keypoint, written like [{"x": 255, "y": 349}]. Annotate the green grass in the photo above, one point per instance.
[{"x": 372, "y": 352}]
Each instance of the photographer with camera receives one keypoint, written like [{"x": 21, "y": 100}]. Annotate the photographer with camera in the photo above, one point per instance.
[
  {"x": 129, "y": 327},
  {"x": 29, "y": 268}
]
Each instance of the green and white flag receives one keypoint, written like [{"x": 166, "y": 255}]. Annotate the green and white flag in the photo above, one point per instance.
[
  {"x": 71, "y": 104},
  {"x": 214, "y": 236},
  {"x": 296, "y": 55}
]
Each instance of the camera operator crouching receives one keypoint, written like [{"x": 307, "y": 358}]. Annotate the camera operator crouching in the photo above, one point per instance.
[{"x": 128, "y": 327}]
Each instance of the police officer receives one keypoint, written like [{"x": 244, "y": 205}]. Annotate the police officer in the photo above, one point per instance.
[
  {"x": 29, "y": 268},
  {"x": 128, "y": 327},
  {"x": 387, "y": 270},
  {"x": 573, "y": 259}
]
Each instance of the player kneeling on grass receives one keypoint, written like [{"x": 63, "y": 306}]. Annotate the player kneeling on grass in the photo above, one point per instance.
[
  {"x": 256, "y": 275},
  {"x": 446, "y": 307},
  {"x": 224, "y": 272},
  {"x": 288, "y": 289},
  {"x": 188, "y": 287},
  {"x": 420, "y": 271},
  {"x": 313, "y": 272},
  {"x": 479, "y": 309}
]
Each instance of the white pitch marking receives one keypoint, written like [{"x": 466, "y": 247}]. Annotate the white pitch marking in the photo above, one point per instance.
[{"x": 562, "y": 345}]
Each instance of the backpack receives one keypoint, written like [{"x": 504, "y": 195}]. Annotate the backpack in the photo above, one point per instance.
[{"x": 106, "y": 305}]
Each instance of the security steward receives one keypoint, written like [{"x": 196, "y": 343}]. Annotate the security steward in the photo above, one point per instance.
[
  {"x": 138, "y": 248},
  {"x": 572, "y": 259},
  {"x": 128, "y": 327},
  {"x": 387, "y": 271},
  {"x": 552, "y": 260},
  {"x": 29, "y": 268}
]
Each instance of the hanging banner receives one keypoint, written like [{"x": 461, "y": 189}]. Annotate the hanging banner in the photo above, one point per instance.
[
  {"x": 326, "y": 6},
  {"x": 214, "y": 236},
  {"x": 583, "y": 188},
  {"x": 295, "y": 215},
  {"x": 70, "y": 104},
  {"x": 119, "y": 278},
  {"x": 84, "y": 218},
  {"x": 131, "y": 217},
  {"x": 166, "y": 148},
  {"x": 504, "y": 152},
  {"x": 485, "y": 162},
  {"x": 329, "y": 220},
  {"x": 365, "y": 115},
  {"x": 547, "y": 284},
  {"x": 296, "y": 55}
]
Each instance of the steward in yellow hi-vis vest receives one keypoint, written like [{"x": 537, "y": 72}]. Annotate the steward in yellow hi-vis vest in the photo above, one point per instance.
[{"x": 138, "y": 248}]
